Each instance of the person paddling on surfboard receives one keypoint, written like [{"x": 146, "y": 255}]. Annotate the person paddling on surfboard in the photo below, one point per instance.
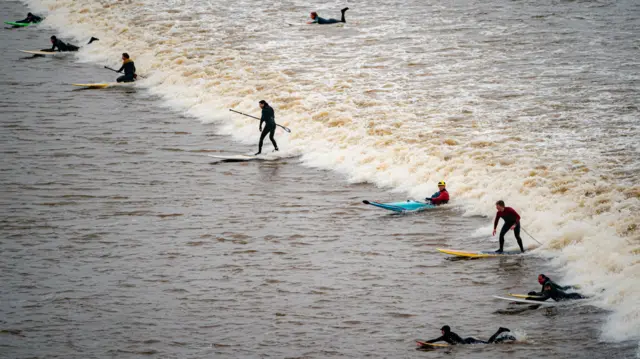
[
  {"x": 31, "y": 18},
  {"x": 440, "y": 197},
  {"x": 269, "y": 118},
  {"x": 511, "y": 221},
  {"x": 129, "y": 69},
  {"x": 553, "y": 291},
  {"x": 543, "y": 280},
  {"x": 64, "y": 47},
  {"x": 453, "y": 338},
  {"x": 315, "y": 19}
]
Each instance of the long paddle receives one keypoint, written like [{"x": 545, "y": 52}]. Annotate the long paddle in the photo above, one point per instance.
[
  {"x": 114, "y": 70},
  {"x": 257, "y": 118}
]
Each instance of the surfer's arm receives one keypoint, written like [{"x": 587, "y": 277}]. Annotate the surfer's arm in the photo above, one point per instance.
[
  {"x": 439, "y": 339},
  {"x": 495, "y": 222}
]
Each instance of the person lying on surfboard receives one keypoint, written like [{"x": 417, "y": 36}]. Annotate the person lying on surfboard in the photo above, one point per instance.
[
  {"x": 315, "y": 19},
  {"x": 440, "y": 197},
  {"x": 64, "y": 47},
  {"x": 543, "y": 279},
  {"x": 31, "y": 18},
  {"x": 453, "y": 338},
  {"x": 129, "y": 69},
  {"x": 553, "y": 291},
  {"x": 511, "y": 221}
]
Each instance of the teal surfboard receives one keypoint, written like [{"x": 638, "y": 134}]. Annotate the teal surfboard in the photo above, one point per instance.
[{"x": 407, "y": 206}]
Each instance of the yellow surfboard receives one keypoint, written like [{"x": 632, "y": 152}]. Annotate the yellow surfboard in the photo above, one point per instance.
[
  {"x": 435, "y": 345},
  {"x": 104, "y": 85},
  {"x": 482, "y": 254}
]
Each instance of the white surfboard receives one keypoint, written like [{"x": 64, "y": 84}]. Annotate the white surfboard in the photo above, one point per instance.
[
  {"x": 243, "y": 158},
  {"x": 550, "y": 303},
  {"x": 44, "y": 53}
]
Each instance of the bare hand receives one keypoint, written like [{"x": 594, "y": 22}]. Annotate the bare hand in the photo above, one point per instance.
[
  {"x": 494, "y": 232},
  {"x": 512, "y": 227}
]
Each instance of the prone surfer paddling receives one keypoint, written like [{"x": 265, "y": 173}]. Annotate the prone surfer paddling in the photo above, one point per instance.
[
  {"x": 129, "y": 69},
  {"x": 269, "y": 118},
  {"x": 440, "y": 197},
  {"x": 315, "y": 19},
  {"x": 552, "y": 290},
  {"x": 511, "y": 221},
  {"x": 453, "y": 338},
  {"x": 64, "y": 47},
  {"x": 31, "y": 18}
]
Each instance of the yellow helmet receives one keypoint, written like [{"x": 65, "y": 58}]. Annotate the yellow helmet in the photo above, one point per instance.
[{"x": 441, "y": 183}]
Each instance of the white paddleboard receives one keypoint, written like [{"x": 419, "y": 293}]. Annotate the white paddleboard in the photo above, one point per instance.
[
  {"x": 44, "y": 53},
  {"x": 242, "y": 158},
  {"x": 549, "y": 303}
]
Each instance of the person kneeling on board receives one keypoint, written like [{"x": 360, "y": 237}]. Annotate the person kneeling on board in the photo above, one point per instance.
[
  {"x": 64, "y": 47},
  {"x": 511, "y": 221},
  {"x": 453, "y": 338},
  {"x": 315, "y": 19},
  {"x": 440, "y": 197},
  {"x": 269, "y": 118},
  {"x": 31, "y": 18},
  {"x": 129, "y": 69},
  {"x": 552, "y": 290}
]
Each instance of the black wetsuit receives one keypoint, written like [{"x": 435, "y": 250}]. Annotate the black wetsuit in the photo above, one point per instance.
[
  {"x": 129, "y": 71},
  {"x": 453, "y": 338},
  {"x": 63, "y": 47},
  {"x": 269, "y": 119},
  {"x": 555, "y": 292},
  {"x": 511, "y": 218},
  {"x": 322, "y": 21},
  {"x": 34, "y": 19},
  {"x": 553, "y": 284}
]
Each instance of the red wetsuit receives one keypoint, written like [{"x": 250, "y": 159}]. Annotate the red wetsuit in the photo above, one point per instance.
[
  {"x": 509, "y": 215},
  {"x": 440, "y": 197}
]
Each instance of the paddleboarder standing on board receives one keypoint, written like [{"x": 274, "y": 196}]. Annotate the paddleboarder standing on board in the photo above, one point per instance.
[
  {"x": 315, "y": 19},
  {"x": 440, "y": 197},
  {"x": 269, "y": 118},
  {"x": 511, "y": 221}
]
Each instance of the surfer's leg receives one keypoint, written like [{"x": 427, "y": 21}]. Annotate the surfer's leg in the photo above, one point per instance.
[
  {"x": 273, "y": 140},
  {"x": 264, "y": 133},
  {"x": 495, "y": 335},
  {"x": 516, "y": 231},
  {"x": 343, "y": 11},
  {"x": 121, "y": 78},
  {"x": 503, "y": 231},
  {"x": 574, "y": 296},
  {"x": 471, "y": 340}
]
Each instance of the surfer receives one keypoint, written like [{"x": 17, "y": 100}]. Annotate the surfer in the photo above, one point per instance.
[
  {"x": 315, "y": 19},
  {"x": 552, "y": 290},
  {"x": 511, "y": 221},
  {"x": 453, "y": 338},
  {"x": 129, "y": 69},
  {"x": 64, "y": 47},
  {"x": 269, "y": 118},
  {"x": 31, "y": 18},
  {"x": 440, "y": 197},
  {"x": 543, "y": 279}
]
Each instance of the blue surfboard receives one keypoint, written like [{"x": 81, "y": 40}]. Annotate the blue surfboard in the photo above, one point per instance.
[{"x": 407, "y": 206}]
